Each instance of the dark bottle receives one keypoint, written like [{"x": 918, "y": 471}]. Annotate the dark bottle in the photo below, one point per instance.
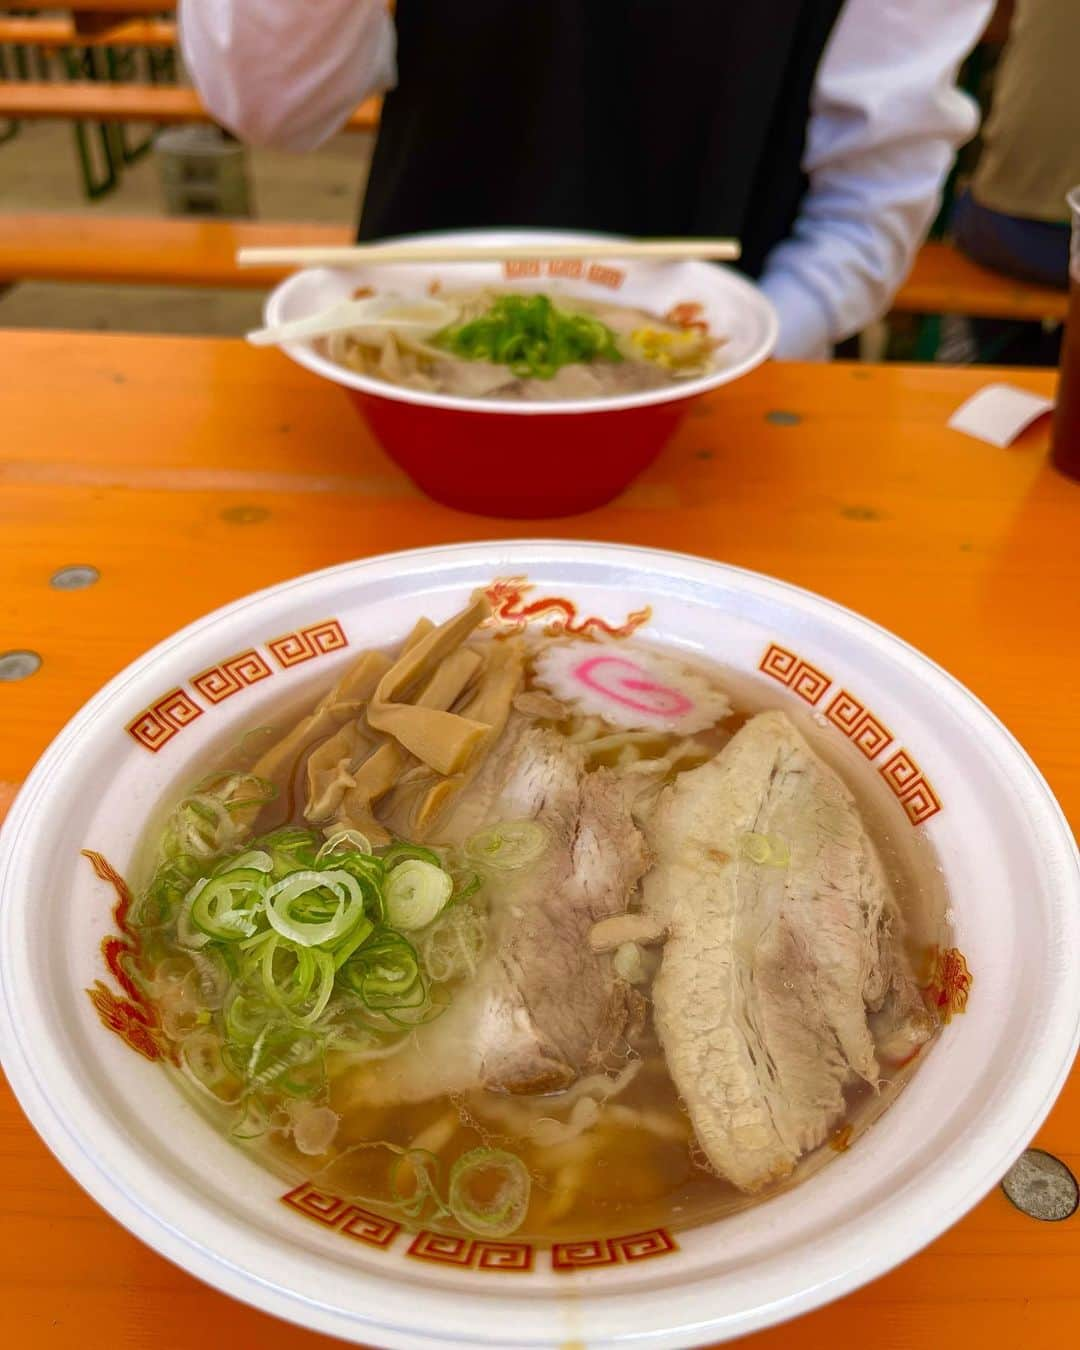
[{"x": 1065, "y": 439}]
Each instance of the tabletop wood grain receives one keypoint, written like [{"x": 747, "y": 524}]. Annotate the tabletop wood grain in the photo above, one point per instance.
[{"x": 190, "y": 471}]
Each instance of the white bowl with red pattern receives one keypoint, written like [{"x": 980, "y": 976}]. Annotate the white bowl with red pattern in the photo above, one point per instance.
[{"x": 113, "y": 1117}]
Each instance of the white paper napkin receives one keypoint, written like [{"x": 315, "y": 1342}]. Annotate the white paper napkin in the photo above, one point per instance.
[{"x": 998, "y": 413}]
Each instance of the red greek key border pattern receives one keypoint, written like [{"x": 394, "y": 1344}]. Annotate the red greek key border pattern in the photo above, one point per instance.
[
  {"x": 800, "y": 676},
  {"x": 858, "y": 724},
  {"x": 472, "y": 1253},
  {"x": 220, "y": 682},
  {"x": 343, "y": 1217},
  {"x": 469, "y": 1253},
  {"x": 290, "y": 649},
  {"x": 867, "y": 732},
  {"x": 910, "y": 786},
  {"x": 156, "y": 725},
  {"x": 590, "y": 1252},
  {"x": 159, "y": 723}
]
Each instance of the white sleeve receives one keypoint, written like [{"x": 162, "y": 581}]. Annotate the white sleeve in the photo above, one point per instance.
[
  {"x": 287, "y": 73},
  {"x": 885, "y": 121}
]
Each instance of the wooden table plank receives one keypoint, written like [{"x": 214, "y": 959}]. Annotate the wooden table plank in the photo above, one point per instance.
[
  {"x": 192, "y": 471},
  {"x": 94, "y": 101}
]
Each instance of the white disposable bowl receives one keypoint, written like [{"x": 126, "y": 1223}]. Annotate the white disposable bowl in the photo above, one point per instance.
[
  {"x": 734, "y": 308},
  {"x": 124, "y": 1132},
  {"x": 504, "y": 458}
]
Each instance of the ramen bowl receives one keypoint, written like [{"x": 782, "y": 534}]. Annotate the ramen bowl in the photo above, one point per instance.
[
  {"x": 958, "y": 784},
  {"x": 530, "y": 459}
]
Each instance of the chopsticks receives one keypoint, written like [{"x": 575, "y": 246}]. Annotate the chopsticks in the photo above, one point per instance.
[{"x": 670, "y": 250}]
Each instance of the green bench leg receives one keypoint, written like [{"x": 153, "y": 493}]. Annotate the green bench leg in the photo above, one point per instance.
[
  {"x": 96, "y": 184},
  {"x": 120, "y": 64},
  {"x": 928, "y": 337},
  {"x": 161, "y": 65},
  {"x": 79, "y": 64},
  {"x": 9, "y": 127}
]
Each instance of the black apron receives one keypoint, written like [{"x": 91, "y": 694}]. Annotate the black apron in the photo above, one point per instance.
[{"x": 642, "y": 117}]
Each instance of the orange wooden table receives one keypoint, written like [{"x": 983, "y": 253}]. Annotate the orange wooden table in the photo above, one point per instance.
[{"x": 191, "y": 471}]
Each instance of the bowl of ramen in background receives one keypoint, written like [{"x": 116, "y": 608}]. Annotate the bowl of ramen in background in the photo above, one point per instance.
[
  {"x": 961, "y": 808},
  {"x": 533, "y": 458}
]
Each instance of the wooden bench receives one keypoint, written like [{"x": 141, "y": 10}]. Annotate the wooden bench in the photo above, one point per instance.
[
  {"x": 49, "y": 34},
  {"x": 174, "y": 252},
  {"x": 90, "y": 101},
  {"x": 184, "y": 252},
  {"x": 944, "y": 281},
  {"x": 117, "y": 6}
]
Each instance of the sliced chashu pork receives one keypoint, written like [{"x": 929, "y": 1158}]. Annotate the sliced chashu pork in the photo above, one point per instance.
[
  {"x": 768, "y": 971},
  {"x": 543, "y": 1007}
]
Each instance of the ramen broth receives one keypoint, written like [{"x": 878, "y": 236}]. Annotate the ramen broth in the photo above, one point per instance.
[
  {"x": 499, "y": 343},
  {"x": 615, "y": 1151}
]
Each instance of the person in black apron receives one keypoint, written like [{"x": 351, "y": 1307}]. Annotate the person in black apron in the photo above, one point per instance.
[{"x": 640, "y": 117}]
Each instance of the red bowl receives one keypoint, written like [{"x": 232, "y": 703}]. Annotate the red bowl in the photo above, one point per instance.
[
  {"x": 522, "y": 459},
  {"x": 498, "y": 464}
]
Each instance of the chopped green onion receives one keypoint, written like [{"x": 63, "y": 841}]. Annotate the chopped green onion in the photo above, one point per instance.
[
  {"x": 200, "y": 1055},
  {"x": 353, "y": 840},
  {"x": 489, "y": 1192},
  {"x": 213, "y": 976},
  {"x": 169, "y": 885},
  {"x": 225, "y": 785},
  {"x": 246, "y": 1014},
  {"x": 291, "y": 847},
  {"x": 278, "y": 1050},
  {"x": 531, "y": 336},
  {"x": 385, "y": 973},
  {"x": 254, "y": 1123},
  {"x": 343, "y": 949},
  {"x": 257, "y": 859},
  {"x": 300, "y": 982},
  {"x": 424, "y": 1167},
  {"x": 267, "y": 952},
  {"x": 201, "y": 826},
  {"x": 400, "y": 852},
  {"x": 454, "y": 945},
  {"x": 507, "y": 846},
  {"x": 423, "y": 1006},
  {"x": 344, "y": 841},
  {"x": 186, "y": 933},
  {"x": 767, "y": 850},
  {"x": 466, "y": 884},
  {"x": 368, "y": 873},
  {"x": 290, "y": 839},
  {"x": 416, "y": 893},
  {"x": 225, "y": 905},
  {"x": 312, "y": 908}
]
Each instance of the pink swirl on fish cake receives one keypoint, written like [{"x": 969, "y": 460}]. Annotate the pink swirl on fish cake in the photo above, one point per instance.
[{"x": 595, "y": 673}]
